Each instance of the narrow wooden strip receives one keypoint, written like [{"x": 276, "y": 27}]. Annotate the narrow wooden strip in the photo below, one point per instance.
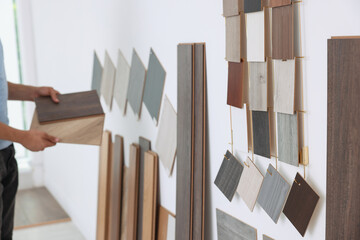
[{"x": 124, "y": 202}]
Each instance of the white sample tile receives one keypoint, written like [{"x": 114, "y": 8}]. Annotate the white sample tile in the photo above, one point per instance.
[
  {"x": 258, "y": 86},
  {"x": 107, "y": 80},
  {"x": 171, "y": 228},
  {"x": 233, "y": 40},
  {"x": 255, "y": 36},
  {"x": 121, "y": 82}
]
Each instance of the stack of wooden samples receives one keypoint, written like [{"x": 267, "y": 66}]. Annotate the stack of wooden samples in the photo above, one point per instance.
[{"x": 191, "y": 139}]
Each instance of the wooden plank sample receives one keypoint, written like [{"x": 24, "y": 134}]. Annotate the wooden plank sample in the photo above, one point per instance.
[
  {"x": 255, "y": 36},
  {"x": 297, "y": 30},
  {"x": 96, "y": 75},
  {"x": 258, "y": 86},
  {"x": 116, "y": 188},
  {"x": 273, "y": 193},
  {"x": 268, "y": 33},
  {"x": 228, "y": 177},
  {"x": 106, "y": 149},
  {"x": 230, "y": 228},
  {"x": 300, "y": 204},
  {"x": 124, "y": 202},
  {"x": 275, "y": 3},
  {"x": 283, "y": 32},
  {"x": 136, "y": 83},
  {"x": 133, "y": 185},
  {"x": 162, "y": 227},
  {"x": 343, "y": 138},
  {"x": 233, "y": 38},
  {"x": 249, "y": 128},
  {"x": 121, "y": 82},
  {"x": 250, "y": 184},
  {"x": 145, "y": 145},
  {"x": 288, "y": 138},
  {"x": 73, "y": 105},
  {"x": 232, "y": 7},
  {"x": 108, "y": 80},
  {"x": 246, "y": 83},
  {"x": 284, "y": 86},
  {"x": 261, "y": 133},
  {"x": 154, "y": 86},
  {"x": 166, "y": 138},
  {"x": 252, "y": 6},
  {"x": 235, "y": 84}
]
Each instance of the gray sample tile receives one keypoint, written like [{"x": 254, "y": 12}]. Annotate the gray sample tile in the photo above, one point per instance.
[
  {"x": 261, "y": 133},
  {"x": 252, "y": 6},
  {"x": 228, "y": 177},
  {"x": 273, "y": 193},
  {"x": 154, "y": 86},
  {"x": 287, "y": 128},
  {"x": 230, "y": 228},
  {"x": 121, "y": 82},
  {"x": 136, "y": 83},
  {"x": 107, "y": 80},
  {"x": 97, "y": 73}
]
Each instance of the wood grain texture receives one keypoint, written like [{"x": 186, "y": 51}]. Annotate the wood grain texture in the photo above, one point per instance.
[
  {"x": 163, "y": 216},
  {"x": 252, "y": 6},
  {"x": 300, "y": 204},
  {"x": 258, "y": 86},
  {"x": 108, "y": 80},
  {"x": 235, "y": 84},
  {"x": 288, "y": 138},
  {"x": 268, "y": 33},
  {"x": 230, "y": 228},
  {"x": 284, "y": 86},
  {"x": 297, "y": 30},
  {"x": 133, "y": 185},
  {"x": 232, "y": 7},
  {"x": 121, "y": 82},
  {"x": 124, "y": 202},
  {"x": 250, "y": 184},
  {"x": 233, "y": 38},
  {"x": 73, "y": 105},
  {"x": 283, "y": 32},
  {"x": 273, "y": 193},
  {"x": 343, "y": 138},
  {"x": 275, "y": 3},
  {"x": 255, "y": 36},
  {"x": 96, "y": 75},
  {"x": 104, "y": 187},
  {"x": 261, "y": 133},
  {"x": 228, "y": 177}
]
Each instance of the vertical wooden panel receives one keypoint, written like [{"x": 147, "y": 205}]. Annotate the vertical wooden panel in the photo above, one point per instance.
[
  {"x": 108, "y": 80},
  {"x": 261, "y": 133},
  {"x": 163, "y": 217},
  {"x": 232, "y": 7},
  {"x": 235, "y": 84},
  {"x": 255, "y": 36},
  {"x": 233, "y": 39},
  {"x": 124, "y": 203},
  {"x": 258, "y": 86},
  {"x": 249, "y": 128},
  {"x": 288, "y": 138}
]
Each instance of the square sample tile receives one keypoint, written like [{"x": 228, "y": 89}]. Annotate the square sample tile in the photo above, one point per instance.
[
  {"x": 107, "y": 80},
  {"x": 97, "y": 73},
  {"x": 283, "y": 32},
  {"x": 261, "y": 133},
  {"x": 235, "y": 84},
  {"x": 122, "y": 82},
  {"x": 232, "y": 7},
  {"x": 255, "y": 36},
  {"x": 287, "y": 128},
  {"x": 258, "y": 86},
  {"x": 233, "y": 38},
  {"x": 252, "y": 6}
]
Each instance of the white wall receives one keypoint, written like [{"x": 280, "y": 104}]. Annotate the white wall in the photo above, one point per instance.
[{"x": 66, "y": 32}]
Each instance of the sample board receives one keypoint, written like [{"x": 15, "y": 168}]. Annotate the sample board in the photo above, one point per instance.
[
  {"x": 96, "y": 75},
  {"x": 232, "y": 7},
  {"x": 108, "y": 80},
  {"x": 258, "y": 86},
  {"x": 252, "y": 6},
  {"x": 261, "y": 133},
  {"x": 235, "y": 96},
  {"x": 233, "y": 38},
  {"x": 255, "y": 36},
  {"x": 288, "y": 138},
  {"x": 121, "y": 82},
  {"x": 166, "y": 225}
]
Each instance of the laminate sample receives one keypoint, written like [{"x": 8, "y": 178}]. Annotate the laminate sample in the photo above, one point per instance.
[
  {"x": 249, "y": 128},
  {"x": 343, "y": 138},
  {"x": 145, "y": 145},
  {"x": 133, "y": 185},
  {"x": 283, "y": 32},
  {"x": 121, "y": 82},
  {"x": 246, "y": 83},
  {"x": 136, "y": 84},
  {"x": 163, "y": 219},
  {"x": 284, "y": 86},
  {"x": 116, "y": 188},
  {"x": 73, "y": 105},
  {"x": 299, "y": 89},
  {"x": 108, "y": 80},
  {"x": 230, "y": 228},
  {"x": 267, "y": 237},
  {"x": 233, "y": 38},
  {"x": 154, "y": 86},
  {"x": 106, "y": 149},
  {"x": 258, "y": 86},
  {"x": 255, "y": 36},
  {"x": 171, "y": 228},
  {"x": 228, "y": 177},
  {"x": 124, "y": 203},
  {"x": 235, "y": 84},
  {"x": 288, "y": 138},
  {"x": 297, "y": 30},
  {"x": 268, "y": 33},
  {"x": 232, "y": 7},
  {"x": 252, "y": 6},
  {"x": 250, "y": 184},
  {"x": 261, "y": 133},
  {"x": 273, "y": 193},
  {"x": 300, "y": 204},
  {"x": 96, "y": 76},
  {"x": 275, "y": 3}
]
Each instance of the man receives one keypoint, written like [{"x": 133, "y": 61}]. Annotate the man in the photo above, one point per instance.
[{"x": 32, "y": 140}]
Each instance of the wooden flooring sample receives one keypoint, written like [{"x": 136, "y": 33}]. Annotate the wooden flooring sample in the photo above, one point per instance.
[
  {"x": 255, "y": 36},
  {"x": 73, "y": 105},
  {"x": 108, "y": 80},
  {"x": 154, "y": 86},
  {"x": 273, "y": 193},
  {"x": 166, "y": 138},
  {"x": 258, "y": 86},
  {"x": 103, "y": 210},
  {"x": 163, "y": 218},
  {"x": 96, "y": 76},
  {"x": 252, "y": 6},
  {"x": 246, "y": 83},
  {"x": 288, "y": 138},
  {"x": 230, "y": 228},
  {"x": 343, "y": 138},
  {"x": 228, "y": 177},
  {"x": 284, "y": 86},
  {"x": 133, "y": 185},
  {"x": 232, "y": 7},
  {"x": 268, "y": 33},
  {"x": 297, "y": 30},
  {"x": 233, "y": 38},
  {"x": 235, "y": 84},
  {"x": 136, "y": 84},
  {"x": 250, "y": 184},
  {"x": 121, "y": 82},
  {"x": 275, "y": 3},
  {"x": 261, "y": 133},
  {"x": 124, "y": 203},
  {"x": 300, "y": 204},
  {"x": 283, "y": 32}
]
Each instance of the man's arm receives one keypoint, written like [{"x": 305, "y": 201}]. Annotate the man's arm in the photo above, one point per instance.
[{"x": 29, "y": 93}]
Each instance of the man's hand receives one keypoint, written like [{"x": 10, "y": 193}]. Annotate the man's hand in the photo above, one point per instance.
[
  {"x": 47, "y": 91},
  {"x": 35, "y": 140}
]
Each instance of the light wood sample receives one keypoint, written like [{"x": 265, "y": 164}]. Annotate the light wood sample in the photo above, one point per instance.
[
  {"x": 124, "y": 202},
  {"x": 232, "y": 7},
  {"x": 121, "y": 82},
  {"x": 255, "y": 36},
  {"x": 97, "y": 73},
  {"x": 288, "y": 138},
  {"x": 108, "y": 80},
  {"x": 233, "y": 39},
  {"x": 258, "y": 86},
  {"x": 163, "y": 219},
  {"x": 249, "y": 128}
]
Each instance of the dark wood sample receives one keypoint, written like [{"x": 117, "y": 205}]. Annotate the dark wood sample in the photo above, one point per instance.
[
  {"x": 300, "y": 204},
  {"x": 283, "y": 32},
  {"x": 228, "y": 177},
  {"x": 73, "y": 105},
  {"x": 275, "y": 3},
  {"x": 252, "y": 6},
  {"x": 343, "y": 138},
  {"x": 235, "y": 84},
  {"x": 261, "y": 133}
]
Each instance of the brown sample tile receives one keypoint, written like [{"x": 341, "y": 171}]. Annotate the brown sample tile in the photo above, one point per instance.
[
  {"x": 124, "y": 203},
  {"x": 235, "y": 84}
]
